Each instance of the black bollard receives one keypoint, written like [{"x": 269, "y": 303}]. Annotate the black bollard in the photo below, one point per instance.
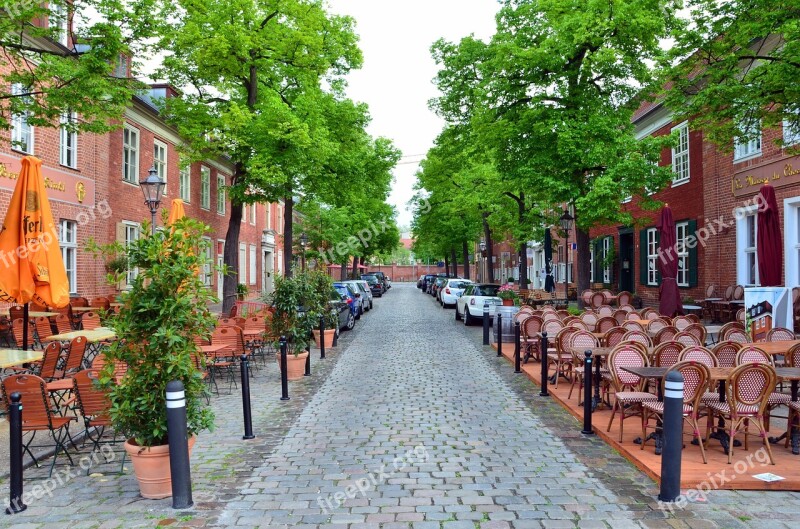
[
  {"x": 485, "y": 323},
  {"x": 284, "y": 374},
  {"x": 499, "y": 322},
  {"x": 672, "y": 430},
  {"x": 322, "y": 337},
  {"x": 15, "y": 452},
  {"x": 248, "y": 418},
  {"x": 587, "y": 394},
  {"x": 308, "y": 362},
  {"x": 543, "y": 354},
  {"x": 517, "y": 347},
  {"x": 178, "y": 446}
]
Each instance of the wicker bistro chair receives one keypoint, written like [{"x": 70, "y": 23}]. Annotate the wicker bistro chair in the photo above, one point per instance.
[
  {"x": 624, "y": 298},
  {"x": 698, "y": 331},
  {"x": 687, "y": 339},
  {"x": 726, "y": 328},
  {"x": 604, "y": 324},
  {"x": 682, "y": 322},
  {"x": 562, "y": 356},
  {"x": 590, "y": 319},
  {"x": 750, "y": 354},
  {"x": 666, "y": 354},
  {"x": 637, "y": 336},
  {"x": 614, "y": 336},
  {"x": 707, "y": 306},
  {"x": 667, "y": 334},
  {"x": 726, "y": 353},
  {"x": 737, "y": 335},
  {"x": 793, "y": 356},
  {"x": 695, "y": 382},
  {"x": 633, "y": 326},
  {"x": 656, "y": 325},
  {"x": 586, "y": 297},
  {"x": 627, "y": 308},
  {"x": 530, "y": 341},
  {"x": 38, "y": 415},
  {"x": 598, "y": 300},
  {"x": 628, "y": 388},
  {"x": 779, "y": 334},
  {"x": 746, "y": 395},
  {"x": 620, "y": 316},
  {"x": 605, "y": 310},
  {"x": 580, "y": 342},
  {"x": 633, "y": 315},
  {"x": 698, "y": 354},
  {"x": 576, "y": 323},
  {"x": 650, "y": 314}
]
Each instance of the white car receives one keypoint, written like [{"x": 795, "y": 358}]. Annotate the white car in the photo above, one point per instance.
[
  {"x": 470, "y": 304},
  {"x": 451, "y": 291}
]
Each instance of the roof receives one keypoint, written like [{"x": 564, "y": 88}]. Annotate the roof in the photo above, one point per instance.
[{"x": 407, "y": 243}]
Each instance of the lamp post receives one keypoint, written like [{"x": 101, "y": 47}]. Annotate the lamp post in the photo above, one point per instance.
[
  {"x": 152, "y": 189},
  {"x": 566, "y": 221},
  {"x": 482, "y": 246},
  {"x": 303, "y": 244}
]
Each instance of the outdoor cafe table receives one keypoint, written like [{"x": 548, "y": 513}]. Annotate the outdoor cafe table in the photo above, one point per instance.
[
  {"x": 211, "y": 350},
  {"x": 18, "y": 357},
  {"x": 779, "y": 347},
  {"x": 31, "y": 314},
  {"x": 86, "y": 309},
  {"x": 94, "y": 336}
]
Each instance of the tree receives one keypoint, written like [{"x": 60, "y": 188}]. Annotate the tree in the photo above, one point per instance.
[
  {"x": 262, "y": 84},
  {"x": 71, "y": 64},
  {"x": 551, "y": 97},
  {"x": 731, "y": 72}
]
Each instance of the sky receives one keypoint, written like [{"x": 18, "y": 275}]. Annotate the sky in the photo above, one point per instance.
[{"x": 396, "y": 77}]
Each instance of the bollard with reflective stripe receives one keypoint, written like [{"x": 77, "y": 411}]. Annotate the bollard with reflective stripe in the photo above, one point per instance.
[
  {"x": 485, "y": 322},
  {"x": 284, "y": 374},
  {"x": 248, "y": 418},
  {"x": 587, "y": 394},
  {"x": 543, "y": 354},
  {"x": 178, "y": 436},
  {"x": 499, "y": 322},
  {"x": 672, "y": 430},
  {"x": 517, "y": 348},
  {"x": 15, "y": 453},
  {"x": 322, "y": 337}
]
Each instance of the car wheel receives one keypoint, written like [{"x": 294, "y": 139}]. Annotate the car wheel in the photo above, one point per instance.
[
  {"x": 468, "y": 319},
  {"x": 458, "y": 315},
  {"x": 351, "y": 322},
  {"x": 359, "y": 312}
]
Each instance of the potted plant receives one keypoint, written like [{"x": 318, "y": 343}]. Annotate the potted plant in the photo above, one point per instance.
[
  {"x": 161, "y": 314},
  {"x": 317, "y": 304},
  {"x": 508, "y": 295},
  {"x": 241, "y": 291},
  {"x": 291, "y": 322}
]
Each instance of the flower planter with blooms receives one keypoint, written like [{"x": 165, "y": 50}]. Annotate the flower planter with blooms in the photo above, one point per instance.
[{"x": 508, "y": 295}]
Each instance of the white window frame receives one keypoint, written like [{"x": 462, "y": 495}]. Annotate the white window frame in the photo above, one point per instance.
[
  {"x": 135, "y": 229},
  {"x": 205, "y": 187},
  {"x": 745, "y": 251},
  {"x": 221, "y": 194},
  {"x": 68, "y": 240},
  {"x": 607, "y": 268},
  {"x": 22, "y": 133},
  {"x": 253, "y": 213},
  {"x": 207, "y": 265},
  {"x": 253, "y": 264},
  {"x": 791, "y": 236},
  {"x": 682, "y": 253},
  {"x": 58, "y": 22},
  {"x": 185, "y": 184},
  {"x": 680, "y": 155},
  {"x": 130, "y": 154},
  {"x": 160, "y": 161},
  {"x": 591, "y": 263},
  {"x": 791, "y": 135},
  {"x": 68, "y": 141},
  {"x": 268, "y": 207},
  {"x": 242, "y": 279},
  {"x": 244, "y": 213},
  {"x": 747, "y": 149},
  {"x": 652, "y": 257}
]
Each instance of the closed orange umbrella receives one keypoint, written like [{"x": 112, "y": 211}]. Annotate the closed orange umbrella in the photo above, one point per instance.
[{"x": 176, "y": 212}]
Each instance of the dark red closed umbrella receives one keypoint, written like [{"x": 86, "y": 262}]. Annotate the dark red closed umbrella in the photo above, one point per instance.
[
  {"x": 669, "y": 297},
  {"x": 769, "y": 244}
]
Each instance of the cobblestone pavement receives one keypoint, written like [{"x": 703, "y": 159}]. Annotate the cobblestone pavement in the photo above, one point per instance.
[{"x": 413, "y": 425}]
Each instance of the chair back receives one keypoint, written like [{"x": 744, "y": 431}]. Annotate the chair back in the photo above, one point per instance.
[
  {"x": 550, "y": 316},
  {"x": 737, "y": 335},
  {"x": 598, "y": 299},
  {"x": 614, "y": 336},
  {"x": 231, "y": 337},
  {"x": 16, "y": 312},
  {"x": 43, "y": 328},
  {"x": 627, "y": 308},
  {"x": 666, "y": 334},
  {"x": 793, "y": 356},
  {"x": 564, "y": 314},
  {"x": 681, "y": 322},
  {"x": 234, "y": 311},
  {"x": 582, "y": 340},
  {"x": 723, "y": 331},
  {"x": 740, "y": 315},
  {"x": 624, "y": 298},
  {"x": 699, "y": 354},
  {"x": 656, "y": 325},
  {"x": 698, "y": 331},
  {"x": 100, "y": 361},
  {"x": 633, "y": 315},
  {"x": 226, "y": 322},
  {"x": 49, "y": 365},
  {"x": 586, "y": 297},
  {"x": 750, "y": 385},
  {"x": 91, "y": 321},
  {"x": 738, "y": 292},
  {"x": 63, "y": 324},
  {"x": 255, "y": 323},
  {"x": 626, "y": 355},
  {"x": 620, "y": 316},
  {"x": 605, "y": 311},
  {"x": 75, "y": 353},
  {"x": 17, "y": 329},
  {"x": 79, "y": 302},
  {"x": 604, "y": 324},
  {"x": 726, "y": 353},
  {"x": 750, "y": 354},
  {"x": 696, "y": 378},
  {"x": 778, "y": 334},
  {"x": 551, "y": 327},
  {"x": 728, "y": 293},
  {"x": 650, "y": 314},
  {"x": 637, "y": 336},
  {"x": 577, "y": 324},
  {"x": 564, "y": 339},
  {"x": 633, "y": 326},
  {"x": 666, "y": 354},
  {"x": 33, "y": 389},
  {"x": 101, "y": 303},
  {"x": 710, "y": 289},
  {"x": 590, "y": 319},
  {"x": 686, "y": 338},
  {"x": 92, "y": 401},
  {"x": 531, "y": 326}
]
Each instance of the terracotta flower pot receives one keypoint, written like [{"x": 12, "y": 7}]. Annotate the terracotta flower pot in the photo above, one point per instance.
[
  {"x": 508, "y": 302},
  {"x": 295, "y": 365},
  {"x": 151, "y": 467},
  {"x": 329, "y": 334}
]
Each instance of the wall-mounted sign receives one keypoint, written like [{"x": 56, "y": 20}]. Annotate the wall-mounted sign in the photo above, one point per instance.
[
  {"x": 61, "y": 186},
  {"x": 782, "y": 173}
]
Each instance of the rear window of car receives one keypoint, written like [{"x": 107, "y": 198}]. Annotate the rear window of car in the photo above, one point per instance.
[
  {"x": 486, "y": 291},
  {"x": 458, "y": 284}
]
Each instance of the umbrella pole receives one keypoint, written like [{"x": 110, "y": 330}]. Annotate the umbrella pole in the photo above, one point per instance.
[{"x": 25, "y": 318}]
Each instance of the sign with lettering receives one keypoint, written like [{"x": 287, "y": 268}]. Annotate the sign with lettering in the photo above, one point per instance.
[
  {"x": 61, "y": 186},
  {"x": 781, "y": 173}
]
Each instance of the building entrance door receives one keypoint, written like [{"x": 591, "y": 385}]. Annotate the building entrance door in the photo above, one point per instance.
[{"x": 626, "y": 261}]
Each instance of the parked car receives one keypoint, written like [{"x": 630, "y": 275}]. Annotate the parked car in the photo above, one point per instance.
[
  {"x": 452, "y": 290},
  {"x": 427, "y": 280},
  {"x": 438, "y": 284},
  {"x": 350, "y": 297},
  {"x": 361, "y": 287},
  {"x": 419, "y": 281},
  {"x": 374, "y": 283},
  {"x": 470, "y": 305},
  {"x": 346, "y": 318},
  {"x": 385, "y": 280}
]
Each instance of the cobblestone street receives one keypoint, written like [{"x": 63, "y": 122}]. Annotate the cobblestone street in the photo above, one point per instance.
[{"x": 413, "y": 425}]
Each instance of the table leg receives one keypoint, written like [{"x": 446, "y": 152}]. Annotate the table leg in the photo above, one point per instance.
[{"x": 596, "y": 399}]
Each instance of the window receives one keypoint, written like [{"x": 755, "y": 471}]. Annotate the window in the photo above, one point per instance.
[
  {"x": 253, "y": 212},
  {"x": 680, "y": 155},
  {"x": 746, "y": 261},
  {"x": 221, "y": 194},
  {"x": 244, "y": 212},
  {"x": 748, "y": 148},
  {"x": 207, "y": 262},
  {"x": 607, "y": 242},
  {"x": 130, "y": 155},
  {"x": 268, "y": 224},
  {"x": 21, "y": 130},
  {"x": 68, "y": 240},
  {"x": 652, "y": 257},
  {"x": 58, "y": 22},
  {"x": 160, "y": 161},
  {"x": 242, "y": 263},
  {"x": 131, "y": 235},
  {"x": 185, "y": 183},
  {"x": 591, "y": 263},
  {"x": 791, "y": 132},
  {"x": 681, "y": 235},
  {"x": 253, "y": 263},
  {"x": 562, "y": 265},
  {"x": 68, "y": 146},
  {"x": 205, "y": 187},
  {"x": 279, "y": 227}
]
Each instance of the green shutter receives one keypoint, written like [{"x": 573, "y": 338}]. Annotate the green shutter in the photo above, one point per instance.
[
  {"x": 643, "y": 257},
  {"x": 691, "y": 231},
  {"x": 598, "y": 270}
]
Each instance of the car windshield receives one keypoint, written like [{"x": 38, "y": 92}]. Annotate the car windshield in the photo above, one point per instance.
[
  {"x": 485, "y": 290},
  {"x": 370, "y": 279}
]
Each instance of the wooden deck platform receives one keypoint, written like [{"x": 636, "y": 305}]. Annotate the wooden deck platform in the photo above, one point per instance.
[{"x": 717, "y": 474}]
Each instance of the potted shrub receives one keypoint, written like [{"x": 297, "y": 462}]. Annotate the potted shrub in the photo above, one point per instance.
[
  {"x": 241, "y": 291},
  {"x": 291, "y": 322},
  {"x": 161, "y": 314},
  {"x": 508, "y": 295},
  {"x": 317, "y": 304}
]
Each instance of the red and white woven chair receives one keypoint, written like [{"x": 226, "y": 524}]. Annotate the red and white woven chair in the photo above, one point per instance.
[
  {"x": 666, "y": 354},
  {"x": 687, "y": 339},
  {"x": 579, "y": 343},
  {"x": 628, "y": 388}
]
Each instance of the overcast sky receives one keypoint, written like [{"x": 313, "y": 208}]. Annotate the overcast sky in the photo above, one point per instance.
[{"x": 396, "y": 79}]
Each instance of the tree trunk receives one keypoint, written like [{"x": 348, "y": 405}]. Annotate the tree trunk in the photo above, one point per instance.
[
  {"x": 465, "y": 258},
  {"x": 355, "y": 267},
  {"x": 288, "y": 247},
  {"x": 487, "y": 235},
  {"x": 582, "y": 265},
  {"x": 343, "y": 271},
  {"x": 230, "y": 257},
  {"x": 454, "y": 260},
  {"x": 446, "y": 265}
]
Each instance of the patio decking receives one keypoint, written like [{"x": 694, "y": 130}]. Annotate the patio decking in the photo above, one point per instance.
[{"x": 717, "y": 474}]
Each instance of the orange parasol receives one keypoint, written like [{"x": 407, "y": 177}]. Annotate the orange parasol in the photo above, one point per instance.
[
  {"x": 31, "y": 267},
  {"x": 176, "y": 211}
]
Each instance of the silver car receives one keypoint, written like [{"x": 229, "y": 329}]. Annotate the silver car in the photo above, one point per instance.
[{"x": 364, "y": 300}]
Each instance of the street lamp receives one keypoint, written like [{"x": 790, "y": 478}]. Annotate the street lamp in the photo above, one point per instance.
[
  {"x": 152, "y": 189},
  {"x": 482, "y": 246},
  {"x": 566, "y": 220},
  {"x": 303, "y": 244}
]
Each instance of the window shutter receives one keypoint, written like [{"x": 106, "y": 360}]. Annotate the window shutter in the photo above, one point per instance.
[
  {"x": 643, "y": 257},
  {"x": 611, "y": 250},
  {"x": 598, "y": 257},
  {"x": 692, "y": 272}
]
